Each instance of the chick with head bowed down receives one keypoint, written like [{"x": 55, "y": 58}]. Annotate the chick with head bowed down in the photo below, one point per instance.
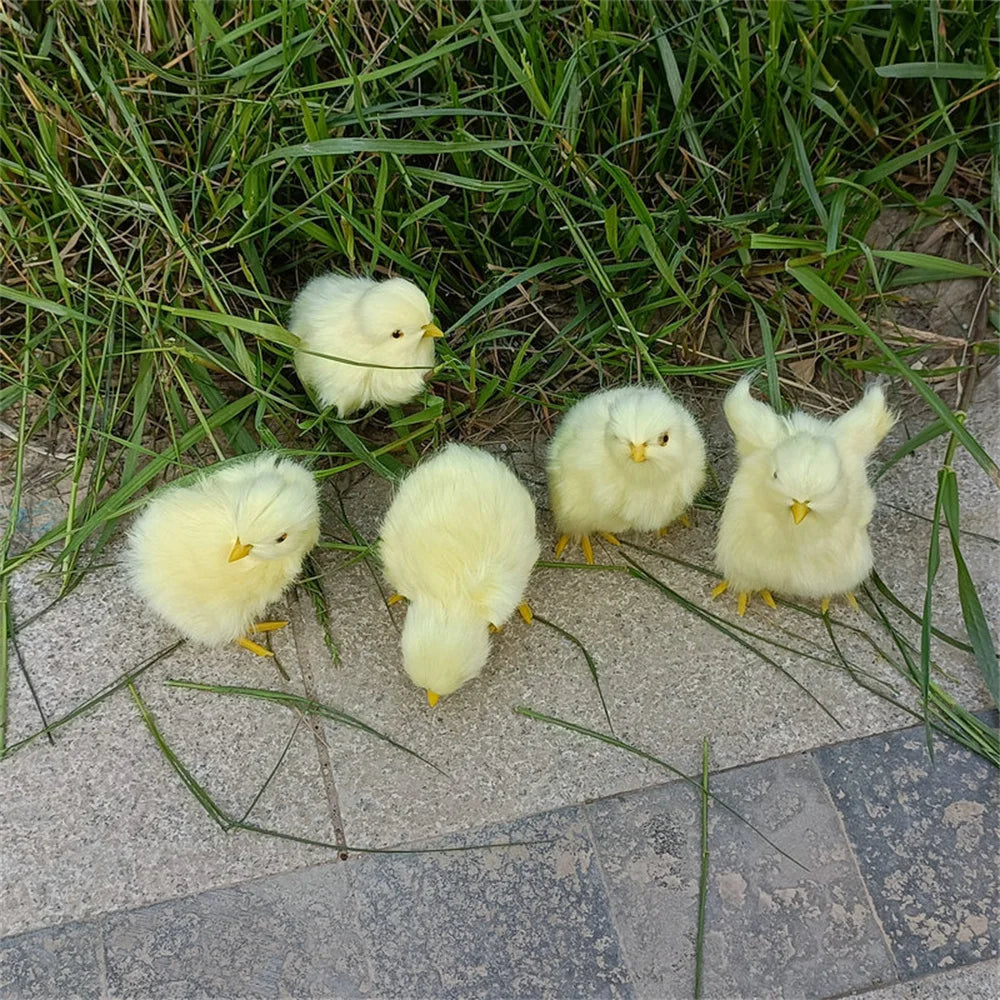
[{"x": 459, "y": 543}]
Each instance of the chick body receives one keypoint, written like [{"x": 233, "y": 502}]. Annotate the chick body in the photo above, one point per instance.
[
  {"x": 624, "y": 459},
  {"x": 797, "y": 513},
  {"x": 207, "y": 557},
  {"x": 369, "y": 322},
  {"x": 459, "y": 542}
]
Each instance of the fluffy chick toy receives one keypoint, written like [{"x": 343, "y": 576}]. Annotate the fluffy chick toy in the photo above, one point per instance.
[
  {"x": 629, "y": 458},
  {"x": 210, "y": 557},
  {"x": 381, "y": 323},
  {"x": 796, "y": 518},
  {"x": 459, "y": 542}
]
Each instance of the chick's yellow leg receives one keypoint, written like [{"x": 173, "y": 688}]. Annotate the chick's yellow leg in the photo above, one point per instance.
[
  {"x": 741, "y": 603},
  {"x": 685, "y": 519},
  {"x": 267, "y": 626},
  {"x": 719, "y": 589},
  {"x": 824, "y": 605},
  {"x": 852, "y": 600},
  {"x": 524, "y": 610},
  {"x": 494, "y": 629},
  {"x": 768, "y": 599},
  {"x": 609, "y": 538},
  {"x": 254, "y": 647},
  {"x": 662, "y": 532},
  {"x": 393, "y": 599},
  {"x": 561, "y": 545},
  {"x": 588, "y": 550}
]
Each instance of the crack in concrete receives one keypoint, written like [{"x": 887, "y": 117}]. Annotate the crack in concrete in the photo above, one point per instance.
[{"x": 305, "y": 635}]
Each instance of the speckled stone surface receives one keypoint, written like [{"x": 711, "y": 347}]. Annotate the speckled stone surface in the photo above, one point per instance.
[
  {"x": 668, "y": 676},
  {"x": 292, "y": 935},
  {"x": 529, "y": 921},
  {"x": 772, "y": 928},
  {"x": 64, "y": 962},
  {"x": 100, "y": 821},
  {"x": 969, "y": 982},
  {"x": 927, "y": 841}
]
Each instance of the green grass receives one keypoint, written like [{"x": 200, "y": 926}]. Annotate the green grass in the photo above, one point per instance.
[{"x": 590, "y": 193}]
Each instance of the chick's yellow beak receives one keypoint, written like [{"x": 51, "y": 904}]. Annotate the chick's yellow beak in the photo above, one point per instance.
[
  {"x": 239, "y": 551},
  {"x": 432, "y": 698},
  {"x": 638, "y": 452},
  {"x": 432, "y": 331},
  {"x": 799, "y": 511}
]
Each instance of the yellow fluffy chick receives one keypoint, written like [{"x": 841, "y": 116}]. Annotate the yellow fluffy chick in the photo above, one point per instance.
[
  {"x": 459, "y": 542},
  {"x": 796, "y": 518},
  {"x": 623, "y": 459},
  {"x": 386, "y": 323},
  {"x": 210, "y": 557}
]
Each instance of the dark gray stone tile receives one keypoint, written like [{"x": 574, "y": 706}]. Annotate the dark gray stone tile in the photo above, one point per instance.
[
  {"x": 525, "y": 921},
  {"x": 966, "y": 982},
  {"x": 772, "y": 929},
  {"x": 927, "y": 840},
  {"x": 59, "y": 962},
  {"x": 291, "y": 935}
]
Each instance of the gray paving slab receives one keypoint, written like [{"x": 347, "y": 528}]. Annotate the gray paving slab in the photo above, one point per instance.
[
  {"x": 65, "y": 962},
  {"x": 970, "y": 982},
  {"x": 291, "y": 935},
  {"x": 100, "y": 821},
  {"x": 528, "y": 921},
  {"x": 772, "y": 929},
  {"x": 927, "y": 842}
]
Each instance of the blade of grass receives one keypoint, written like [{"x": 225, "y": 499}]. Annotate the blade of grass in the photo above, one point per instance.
[
  {"x": 123, "y": 681},
  {"x": 813, "y": 282},
  {"x": 530, "y": 713},
  {"x": 302, "y": 704},
  {"x": 592, "y": 666},
  {"x": 699, "y": 941}
]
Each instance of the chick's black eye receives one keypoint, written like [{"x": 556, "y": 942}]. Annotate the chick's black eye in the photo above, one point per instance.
[
  {"x": 774, "y": 475},
  {"x": 281, "y": 538},
  {"x": 396, "y": 334},
  {"x": 664, "y": 437}
]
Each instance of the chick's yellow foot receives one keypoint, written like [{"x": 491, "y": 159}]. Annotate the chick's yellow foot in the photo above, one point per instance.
[
  {"x": 741, "y": 603},
  {"x": 267, "y": 626},
  {"x": 254, "y": 647},
  {"x": 393, "y": 599},
  {"x": 588, "y": 550},
  {"x": 685, "y": 519},
  {"x": 524, "y": 610},
  {"x": 494, "y": 629},
  {"x": 561, "y": 545},
  {"x": 852, "y": 600},
  {"x": 719, "y": 589},
  {"x": 662, "y": 533},
  {"x": 609, "y": 538},
  {"x": 824, "y": 605},
  {"x": 768, "y": 599}
]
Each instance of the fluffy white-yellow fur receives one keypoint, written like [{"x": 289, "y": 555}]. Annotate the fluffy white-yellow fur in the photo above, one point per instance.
[
  {"x": 210, "y": 557},
  {"x": 369, "y": 322},
  {"x": 796, "y": 517},
  {"x": 630, "y": 458},
  {"x": 459, "y": 542}
]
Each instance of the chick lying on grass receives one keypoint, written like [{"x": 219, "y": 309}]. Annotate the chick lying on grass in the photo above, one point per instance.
[
  {"x": 796, "y": 518},
  {"x": 384, "y": 323},
  {"x": 624, "y": 459},
  {"x": 459, "y": 542},
  {"x": 210, "y": 557}
]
